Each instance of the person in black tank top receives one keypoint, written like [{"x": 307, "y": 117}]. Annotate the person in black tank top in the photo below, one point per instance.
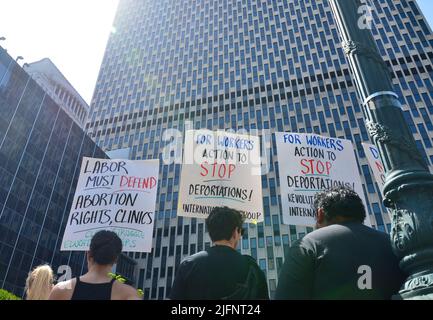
[
  {"x": 92, "y": 291},
  {"x": 97, "y": 284}
]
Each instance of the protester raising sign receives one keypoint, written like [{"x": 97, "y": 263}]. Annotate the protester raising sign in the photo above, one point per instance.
[
  {"x": 375, "y": 163},
  {"x": 220, "y": 169},
  {"x": 309, "y": 163},
  {"x": 116, "y": 195}
]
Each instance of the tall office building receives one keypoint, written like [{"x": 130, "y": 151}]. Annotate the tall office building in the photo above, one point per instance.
[
  {"x": 41, "y": 149},
  {"x": 49, "y": 77},
  {"x": 266, "y": 65}
]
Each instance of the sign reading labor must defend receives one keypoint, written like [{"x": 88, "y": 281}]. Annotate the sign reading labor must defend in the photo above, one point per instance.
[
  {"x": 115, "y": 195},
  {"x": 221, "y": 169},
  {"x": 309, "y": 163}
]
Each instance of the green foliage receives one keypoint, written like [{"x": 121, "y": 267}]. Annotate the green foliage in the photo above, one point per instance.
[
  {"x": 5, "y": 295},
  {"x": 118, "y": 277},
  {"x": 121, "y": 279}
]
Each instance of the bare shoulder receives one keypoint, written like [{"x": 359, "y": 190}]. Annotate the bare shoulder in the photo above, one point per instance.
[
  {"x": 63, "y": 290},
  {"x": 123, "y": 291}
]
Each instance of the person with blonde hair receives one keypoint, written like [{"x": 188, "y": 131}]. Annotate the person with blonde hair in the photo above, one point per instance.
[{"x": 39, "y": 283}]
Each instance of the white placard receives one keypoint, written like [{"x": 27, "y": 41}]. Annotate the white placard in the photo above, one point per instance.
[
  {"x": 221, "y": 169},
  {"x": 309, "y": 163},
  {"x": 376, "y": 164},
  {"x": 116, "y": 195}
]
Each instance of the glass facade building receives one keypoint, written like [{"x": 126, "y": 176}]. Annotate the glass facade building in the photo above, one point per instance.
[
  {"x": 41, "y": 149},
  {"x": 257, "y": 65}
]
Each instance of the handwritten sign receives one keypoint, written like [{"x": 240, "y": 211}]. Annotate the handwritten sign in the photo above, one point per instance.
[
  {"x": 310, "y": 163},
  {"x": 221, "y": 169},
  {"x": 115, "y": 195},
  {"x": 376, "y": 164}
]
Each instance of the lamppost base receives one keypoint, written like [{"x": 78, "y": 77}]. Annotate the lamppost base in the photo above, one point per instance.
[
  {"x": 416, "y": 295},
  {"x": 417, "y": 287}
]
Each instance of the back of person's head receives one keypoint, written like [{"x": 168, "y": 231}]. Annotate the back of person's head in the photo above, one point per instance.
[
  {"x": 340, "y": 202},
  {"x": 221, "y": 223},
  {"x": 39, "y": 283},
  {"x": 105, "y": 247}
]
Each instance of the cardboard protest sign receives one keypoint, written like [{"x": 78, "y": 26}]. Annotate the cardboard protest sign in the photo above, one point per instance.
[
  {"x": 376, "y": 164},
  {"x": 115, "y": 195},
  {"x": 221, "y": 169},
  {"x": 309, "y": 163}
]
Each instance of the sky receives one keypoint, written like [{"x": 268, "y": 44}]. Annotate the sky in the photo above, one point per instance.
[
  {"x": 427, "y": 9},
  {"x": 72, "y": 33}
]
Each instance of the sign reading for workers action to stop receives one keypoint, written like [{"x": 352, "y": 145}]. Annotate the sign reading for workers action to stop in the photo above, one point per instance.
[
  {"x": 221, "y": 169},
  {"x": 375, "y": 163},
  {"x": 115, "y": 195},
  {"x": 309, "y": 163}
]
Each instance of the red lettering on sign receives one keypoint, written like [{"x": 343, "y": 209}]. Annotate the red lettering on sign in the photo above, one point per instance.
[
  {"x": 138, "y": 182},
  {"x": 217, "y": 170},
  {"x": 316, "y": 167}
]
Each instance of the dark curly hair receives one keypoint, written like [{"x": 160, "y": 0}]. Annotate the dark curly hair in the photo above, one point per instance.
[
  {"x": 105, "y": 247},
  {"x": 340, "y": 201},
  {"x": 221, "y": 223}
]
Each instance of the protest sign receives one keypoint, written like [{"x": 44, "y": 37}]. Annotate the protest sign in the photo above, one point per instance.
[
  {"x": 116, "y": 195},
  {"x": 309, "y": 163},
  {"x": 221, "y": 169},
  {"x": 375, "y": 163},
  {"x": 376, "y": 166}
]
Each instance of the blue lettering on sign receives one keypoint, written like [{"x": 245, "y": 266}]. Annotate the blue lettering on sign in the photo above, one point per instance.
[
  {"x": 292, "y": 138},
  {"x": 204, "y": 139},
  {"x": 374, "y": 152},
  {"x": 328, "y": 143},
  {"x": 237, "y": 143}
]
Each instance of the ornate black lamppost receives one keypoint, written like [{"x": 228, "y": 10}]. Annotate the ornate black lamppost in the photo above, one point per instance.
[{"x": 408, "y": 191}]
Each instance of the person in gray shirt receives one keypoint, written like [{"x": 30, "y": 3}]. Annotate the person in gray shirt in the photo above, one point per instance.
[{"x": 343, "y": 259}]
